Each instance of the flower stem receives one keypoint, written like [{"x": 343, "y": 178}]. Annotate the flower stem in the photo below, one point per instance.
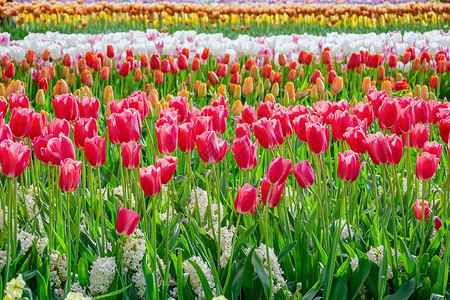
[{"x": 102, "y": 219}]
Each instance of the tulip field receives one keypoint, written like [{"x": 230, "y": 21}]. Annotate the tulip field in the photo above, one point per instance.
[{"x": 224, "y": 150}]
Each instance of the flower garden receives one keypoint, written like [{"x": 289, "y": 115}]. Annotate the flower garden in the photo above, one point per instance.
[{"x": 227, "y": 150}]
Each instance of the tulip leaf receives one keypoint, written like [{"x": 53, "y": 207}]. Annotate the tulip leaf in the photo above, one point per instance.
[
  {"x": 436, "y": 243},
  {"x": 83, "y": 270},
  {"x": 261, "y": 274},
  {"x": 248, "y": 271},
  {"x": 244, "y": 237},
  {"x": 108, "y": 176},
  {"x": 406, "y": 289},
  {"x": 285, "y": 251},
  {"x": 408, "y": 261},
  {"x": 358, "y": 277},
  {"x": 203, "y": 280}
]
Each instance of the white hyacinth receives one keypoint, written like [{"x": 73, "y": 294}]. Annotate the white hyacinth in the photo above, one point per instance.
[
  {"x": 195, "y": 279},
  {"x": 102, "y": 275},
  {"x": 278, "y": 280},
  {"x": 76, "y": 296},
  {"x": 133, "y": 251}
]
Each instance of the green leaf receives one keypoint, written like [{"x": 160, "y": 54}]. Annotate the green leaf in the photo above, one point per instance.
[
  {"x": 406, "y": 289},
  {"x": 359, "y": 276},
  {"x": 149, "y": 280},
  {"x": 83, "y": 270},
  {"x": 112, "y": 293},
  {"x": 248, "y": 271},
  {"x": 285, "y": 251},
  {"x": 382, "y": 275},
  {"x": 203, "y": 280},
  {"x": 262, "y": 275},
  {"x": 340, "y": 289},
  {"x": 244, "y": 237},
  {"x": 408, "y": 260},
  {"x": 436, "y": 243},
  {"x": 42, "y": 290}
]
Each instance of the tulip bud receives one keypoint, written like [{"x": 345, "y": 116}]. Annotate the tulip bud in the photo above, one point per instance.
[
  {"x": 72, "y": 80},
  {"x": 285, "y": 99},
  {"x": 202, "y": 90},
  {"x": 290, "y": 90},
  {"x": 188, "y": 80},
  {"x": 260, "y": 88},
  {"x": 247, "y": 87},
  {"x": 381, "y": 74},
  {"x": 416, "y": 64},
  {"x": 424, "y": 93},
  {"x": 157, "y": 110},
  {"x": 104, "y": 73},
  {"x": 434, "y": 81},
  {"x": 314, "y": 93},
  {"x": 2, "y": 90},
  {"x": 275, "y": 89},
  {"x": 25, "y": 66},
  {"x": 365, "y": 85},
  {"x": 416, "y": 92},
  {"x": 40, "y": 98},
  {"x": 43, "y": 84},
  {"x": 387, "y": 87},
  {"x": 153, "y": 97},
  {"x": 108, "y": 95},
  {"x": 236, "y": 108},
  {"x": 237, "y": 92},
  {"x": 291, "y": 75},
  {"x": 320, "y": 86},
  {"x": 269, "y": 97},
  {"x": 267, "y": 84},
  {"x": 221, "y": 90},
  {"x": 89, "y": 80},
  {"x": 337, "y": 85},
  {"x": 196, "y": 86},
  {"x": 159, "y": 78},
  {"x": 137, "y": 75},
  {"x": 60, "y": 87},
  {"x": 433, "y": 97}
]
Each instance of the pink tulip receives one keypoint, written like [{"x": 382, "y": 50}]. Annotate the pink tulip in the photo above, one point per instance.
[
  {"x": 14, "y": 157},
  {"x": 246, "y": 199},
  {"x": 70, "y": 175},
  {"x": 131, "y": 154},
  {"x": 150, "y": 179},
  {"x": 127, "y": 221},
  {"x": 304, "y": 174},
  {"x": 349, "y": 166}
]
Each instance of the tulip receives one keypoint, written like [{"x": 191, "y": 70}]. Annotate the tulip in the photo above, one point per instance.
[
  {"x": 10, "y": 70},
  {"x": 5, "y": 133},
  {"x": 278, "y": 171},
  {"x": 180, "y": 104},
  {"x": 66, "y": 107},
  {"x": 236, "y": 108},
  {"x": 419, "y": 135},
  {"x": 165, "y": 66},
  {"x": 356, "y": 139},
  {"x": 138, "y": 101},
  {"x": 182, "y": 62},
  {"x": 110, "y": 51},
  {"x": 434, "y": 81},
  {"x": 38, "y": 123},
  {"x": 247, "y": 87},
  {"x": 127, "y": 221},
  {"x": 53, "y": 150},
  {"x": 275, "y": 192},
  {"x": 392, "y": 61},
  {"x": 95, "y": 151},
  {"x": 150, "y": 179},
  {"x": 186, "y": 141},
  {"x": 246, "y": 199},
  {"x": 264, "y": 133},
  {"x": 299, "y": 125},
  {"x": 125, "y": 126},
  {"x": 213, "y": 78},
  {"x": 168, "y": 165},
  {"x": 124, "y": 69},
  {"x": 244, "y": 152},
  {"x": 318, "y": 137},
  {"x": 89, "y": 107},
  {"x": 14, "y": 158},
  {"x": 348, "y": 166},
  {"x": 18, "y": 100},
  {"x": 426, "y": 165},
  {"x": 58, "y": 126},
  {"x": 210, "y": 148},
  {"x": 83, "y": 129},
  {"x": 437, "y": 222},
  {"x": 395, "y": 149},
  {"x": 419, "y": 206},
  {"x": 388, "y": 113},
  {"x": 377, "y": 148},
  {"x": 70, "y": 175},
  {"x": 43, "y": 84},
  {"x": 131, "y": 154},
  {"x": 248, "y": 114},
  {"x": 337, "y": 84},
  {"x": 167, "y": 135},
  {"x": 21, "y": 121},
  {"x": 304, "y": 174},
  {"x": 433, "y": 148}
]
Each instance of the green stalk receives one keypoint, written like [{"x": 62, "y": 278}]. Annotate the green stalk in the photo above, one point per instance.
[
  {"x": 219, "y": 225},
  {"x": 102, "y": 219},
  {"x": 230, "y": 261},
  {"x": 69, "y": 245},
  {"x": 266, "y": 218},
  {"x": 423, "y": 224},
  {"x": 155, "y": 257}
]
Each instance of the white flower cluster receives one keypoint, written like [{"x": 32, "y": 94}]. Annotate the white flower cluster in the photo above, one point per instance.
[
  {"x": 195, "y": 279},
  {"x": 28, "y": 196},
  {"x": 3, "y": 258},
  {"x": 76, "y": 296},
  {"x": 58, "y": 272},
  {"x": 226, "y": 243},
  {"x": 133, "y": 251},
  {"x": 376, "y": 255},
  {"x": 26, "y": 241},
  {"x": 76, "y": 288},
  {"x": 102, "y": 275},
  {"x": 40, "y": 245},
  {"x": 278, "y": 280},
  {"x": 202, "y": 197},
  {"x": 344, "y": 232}
]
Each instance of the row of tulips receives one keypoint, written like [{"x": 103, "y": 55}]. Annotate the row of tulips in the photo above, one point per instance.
[
  {"x": 356, "y": 188},
  {"x": 251, "y": 17}
]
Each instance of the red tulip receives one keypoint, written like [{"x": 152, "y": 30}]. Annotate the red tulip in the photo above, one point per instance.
[
  {"x": 43, "y": 84},
  {"x": 426, "y": 165},
  {"x": 168, "y": 165},
  {"x": 210, "y": 148},
  {"x": 318, "y": 137},
  {"x": 264, "y": 133},
  {"x": 124, "y": 127},
  {"x": 89, "y": 107},
  {"x": 392, "y": 61},
  {"x": 67, "y": 60},
  {"x": 10, "y": 70},
  {"x": 180, "y": 104},
  {"x": 18, "y": 100},
  {"x": 124, "y": 69},
  {"x": 388, "y": 114},
  {"x": 419, "y": 206},
  {"x": 246, "y": 199},
  {"x": 218, "y": 115},
  {"x": 5, "y": 133},
  {"x": 222, "y": 70},
  {"x": 279, "y": 170},
  {"x": 4, "y": 107},
  {"x": 186, "y": 141},
  {"x": 434, "y": 81},
  {"x": 20, "y": 123},
  {"x": 244, "y": 152},
  {"x": 14, "y": 158},
  {"x": 340, "y": 121},
  {"x": 419, "y": 135},
  {"x": 110, "y": 51},
  {"x": 127, "y": 221},
  {"x": 213, "y": 78},
  {"x": 205, "y": 53},
  {"x": 201, "y": 124},
  {"x": 437, "y": 222},
  {"x": 150, "y": 179},
  {"x": 300, "y": 126},
  {"x": 377, "y": 148},
  {"x": 56, "y": 150},
  {"x": 405, "y": 120},
  {"x": 248, "y": 114},
  {"x": 304, "y": 174},
  {"x": 444, "y": 129},
  {"x": 286, "y": 126},
  {"x": 38, "y": 123},
  {"x": 420, "y": 109},
  {"x": 195, "y": 64},
  {"x": 155, "y": 62},
  {"x": 131, "y": 154},
  {"x": 95, "y": 151},
  {"x": 267, "y": 69},
  {"x": 167, "y": 135},
  {"x": 159, "y": 77},
  {"x": 138, "y": 101},
  {"x": 275, "y": 192},
  {"x": 364, "y": 111},
  {"x": 70, "y": 175},
  {"x": 242, "y": 130},
  {"x": 401, "y": 85},
  {"x": 165, "y": 66},
  {"x": 118, "y": 106},
  {"x": 83, "y": 129},
  {"x": 66, "y": 107},
  {"x": 433, "y": 148},
  {"x": 58, "y": 126},
  {"x": 348, "y": 166},
  {"x": 316, "y": 74},
  {"x": 395, "y": 146},
  {"x": 182, "y": 62},
  {"x": 354, "y": 61},
  {"x": 356, "y": 139}
]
